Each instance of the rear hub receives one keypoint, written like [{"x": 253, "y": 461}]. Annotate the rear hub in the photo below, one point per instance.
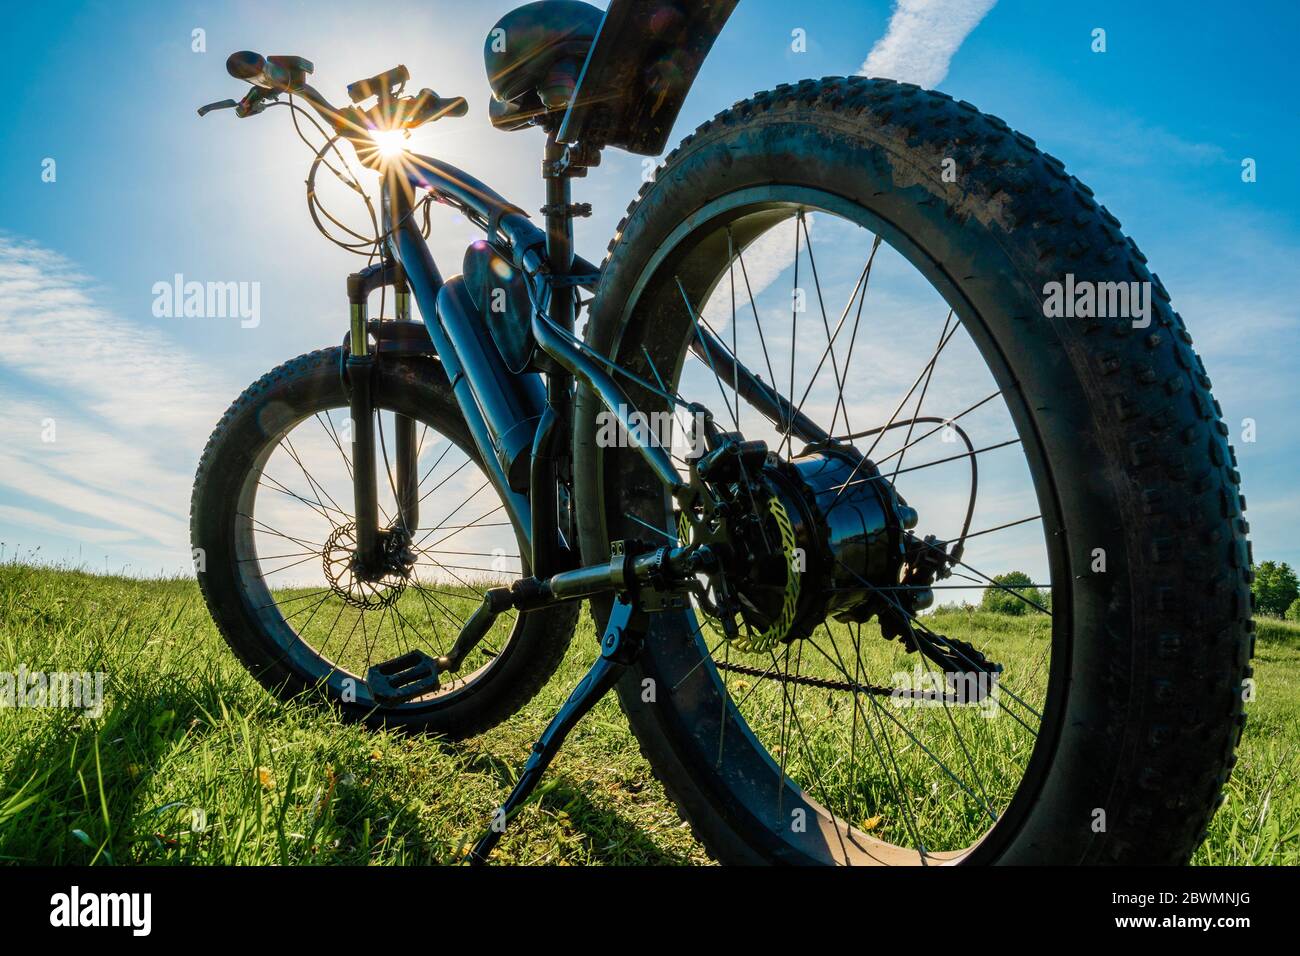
[{"x": 798, "y": 539}]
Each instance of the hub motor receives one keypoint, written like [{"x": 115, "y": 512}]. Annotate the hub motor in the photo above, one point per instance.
[{"x": 799, "y": 539}]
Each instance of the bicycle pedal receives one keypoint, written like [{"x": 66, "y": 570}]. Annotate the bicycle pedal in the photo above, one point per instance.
[{"x": 404, "y": 678}]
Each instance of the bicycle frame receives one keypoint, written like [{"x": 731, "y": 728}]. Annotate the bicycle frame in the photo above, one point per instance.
[
  {"x": 496, "y": 403},
  {"x": 505, "y": 412}
]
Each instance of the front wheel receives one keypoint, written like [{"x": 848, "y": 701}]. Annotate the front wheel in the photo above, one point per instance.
[
  {"x": 273, "y": 533},
  {"x": 959, "y": 317}
]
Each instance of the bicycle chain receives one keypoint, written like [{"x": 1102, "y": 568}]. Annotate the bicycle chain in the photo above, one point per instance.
[
  {"x": 803, "y": 680},
  {"x": 825, "y": 683}
]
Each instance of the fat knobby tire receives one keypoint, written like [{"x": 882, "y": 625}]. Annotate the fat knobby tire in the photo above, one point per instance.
[
  {"x": 1161, "y": 642},
  {"x": 418, "y": 387}
]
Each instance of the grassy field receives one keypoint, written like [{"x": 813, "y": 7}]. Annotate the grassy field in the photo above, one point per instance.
[{"x": 192, "y": 762}]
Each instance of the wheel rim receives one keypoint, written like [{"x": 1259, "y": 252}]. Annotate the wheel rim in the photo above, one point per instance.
[
  {"x": 292, "y": 522},
  {"x": 702, "y": 675}
]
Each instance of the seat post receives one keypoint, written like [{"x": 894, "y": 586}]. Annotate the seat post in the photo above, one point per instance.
[{"x": 558, "y": 213}]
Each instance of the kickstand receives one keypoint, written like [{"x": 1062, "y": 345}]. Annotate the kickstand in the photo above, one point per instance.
[{"x": 618, "y": 648}]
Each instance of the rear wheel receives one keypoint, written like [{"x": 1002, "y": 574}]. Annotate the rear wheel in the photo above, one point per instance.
[
  {"x": 881, "y": 257},
  {"x": 272, "y": 525}
]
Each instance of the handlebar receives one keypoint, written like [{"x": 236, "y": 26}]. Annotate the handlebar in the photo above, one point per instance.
[
  {"x": 272, "y": 75},
  {"x": 281, "y": 73},
  {"x": 429, "y": 106},
  {"x": 380, "y": 82}
]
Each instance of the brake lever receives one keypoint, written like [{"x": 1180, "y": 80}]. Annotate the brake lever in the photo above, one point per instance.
[
  {"x": 254, "y": 102},
  {"x": 219, "y": 105}
]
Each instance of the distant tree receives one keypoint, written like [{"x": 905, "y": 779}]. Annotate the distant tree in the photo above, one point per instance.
[
  {"x": 1293, "y": 612},
  {"x": 1003, "y": 602},
  {"x": 1275, "y": 588}
]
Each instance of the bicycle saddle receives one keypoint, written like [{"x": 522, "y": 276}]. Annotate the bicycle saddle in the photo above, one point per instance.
[{"x": 533, "y": 57}]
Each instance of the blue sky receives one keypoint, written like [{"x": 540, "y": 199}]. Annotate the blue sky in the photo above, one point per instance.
[{"x": 1158, "y": 126}]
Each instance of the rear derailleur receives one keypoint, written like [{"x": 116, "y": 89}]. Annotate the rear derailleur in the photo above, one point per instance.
[{"x": 926, "y": 561}]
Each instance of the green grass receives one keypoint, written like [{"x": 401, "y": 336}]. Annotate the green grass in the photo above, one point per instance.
[{"x": 192, "y": 762}]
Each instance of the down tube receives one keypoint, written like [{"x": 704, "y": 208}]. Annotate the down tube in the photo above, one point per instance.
[{"x": 425, "y": 283}]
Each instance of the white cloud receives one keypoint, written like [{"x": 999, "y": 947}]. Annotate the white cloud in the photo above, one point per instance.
[
  {"x": 124, "y": 404},
  {"x": 922, "y": 37},
  {"x": 765, "y": 260},
  {"x": 55, "y": 333}
]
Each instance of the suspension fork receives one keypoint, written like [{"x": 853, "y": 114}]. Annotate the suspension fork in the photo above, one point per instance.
[
  {"x": 359, "y": 365},
  {"x": 407, "y": 464}
]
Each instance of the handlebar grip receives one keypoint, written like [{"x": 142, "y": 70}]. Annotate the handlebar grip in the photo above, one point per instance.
[
  {"x": 246, "y": 65},
  {"x": 380, "y": 82},
  {"x": 429, "y": 106},
  {"x": 283, "y": 73},
  {"x": 456, "y": 106}
]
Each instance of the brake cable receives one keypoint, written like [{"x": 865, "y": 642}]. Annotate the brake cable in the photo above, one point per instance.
[
  {"x": 368, "y": 246},
  {"x": 974, "y": 467}
]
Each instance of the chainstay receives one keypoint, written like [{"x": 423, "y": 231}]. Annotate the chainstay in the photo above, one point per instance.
[
  {"x": 825, "y": 683},
  {"x": 803, "y": 680}
]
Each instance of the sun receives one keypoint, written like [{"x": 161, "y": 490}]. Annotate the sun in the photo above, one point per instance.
[{"x": 389, "y": 142}]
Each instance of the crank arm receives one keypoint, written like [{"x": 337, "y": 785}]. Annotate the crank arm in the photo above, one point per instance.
[{"x": 637, "y": 574}]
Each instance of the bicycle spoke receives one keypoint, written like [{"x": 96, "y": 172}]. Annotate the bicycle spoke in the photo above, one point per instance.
[
  {"x": 859, "y": 287},
  {"x": 311, "y": 482},
  {"x": 276, "y": 557},
  {"x": 334, "y": 437},
  {"x": 1003, "y": 527},
  {"x": 929, "y": 374},
  {"x": 993, "y": 583},
  {"x": 805, "y": 747},
  {"x": 672, "y": 538},
  {"x": 758, "y": 323},
  {"x": 897, "y": 408},
  {"x": 288, "y": 566},
  {"x": 695, "y": 327},
  {"x": 457, "y": 529},
  {"x": 794, "y": 328},
  {"x": 731, "y": 282},
  {"x": 930, "y": 464},
  {"x": 839, "y": 665},
  {"x": 316, "y": 506},
  {"x": 450, "y": 514},
  {"x": 443, "y": 482},
  {"x": 267, "y": 529}
]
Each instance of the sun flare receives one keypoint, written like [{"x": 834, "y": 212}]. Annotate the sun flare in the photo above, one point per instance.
[{"x": 389, "y": 142}]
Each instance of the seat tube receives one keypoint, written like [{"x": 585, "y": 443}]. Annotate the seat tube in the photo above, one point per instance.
[{"x": 550, "y": 469}]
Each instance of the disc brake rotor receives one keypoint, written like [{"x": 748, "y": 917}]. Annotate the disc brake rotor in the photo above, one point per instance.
[
  {"x": 339, "y": 560},
  {"x": 771, "y": 630}
]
